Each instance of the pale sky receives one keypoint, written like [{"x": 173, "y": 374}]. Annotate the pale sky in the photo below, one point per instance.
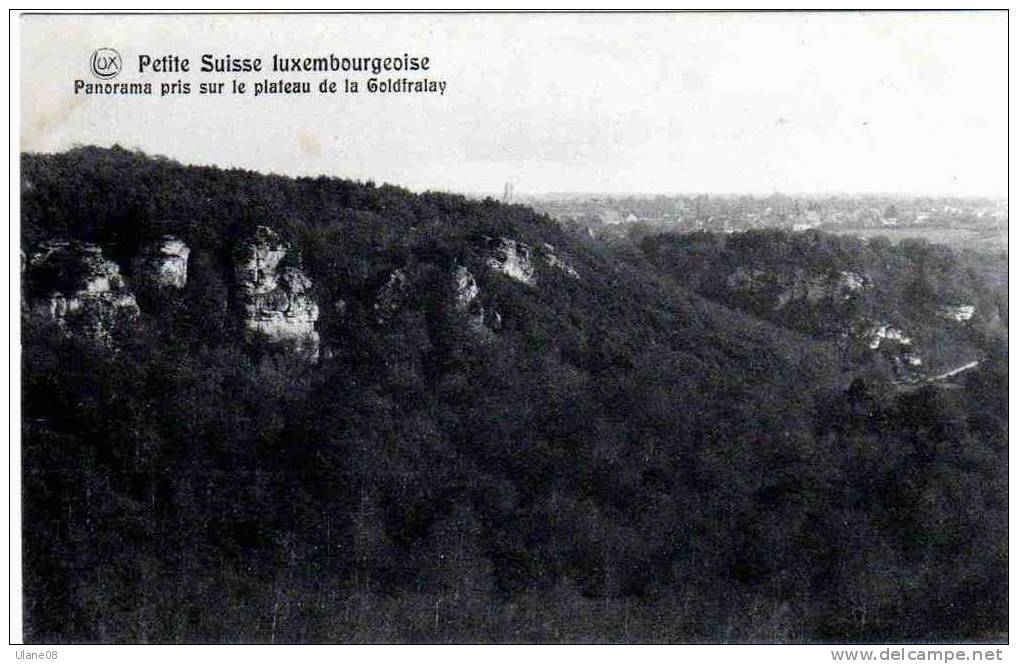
[{"x": 614, "y": 103}]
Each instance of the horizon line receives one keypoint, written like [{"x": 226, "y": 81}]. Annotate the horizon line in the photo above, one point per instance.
[{"x": 493, "y": 193}]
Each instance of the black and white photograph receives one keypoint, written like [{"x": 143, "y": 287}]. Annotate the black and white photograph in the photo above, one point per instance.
[{"x": 511, "y": 328}]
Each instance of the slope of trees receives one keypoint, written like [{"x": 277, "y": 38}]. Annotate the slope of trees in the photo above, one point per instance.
[
  {"x": 624, "y": 461},
  {"x": 907, "y": 285}
]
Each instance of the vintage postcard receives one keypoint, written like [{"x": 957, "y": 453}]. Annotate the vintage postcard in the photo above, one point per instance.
[{"x": 512, "y": 328}]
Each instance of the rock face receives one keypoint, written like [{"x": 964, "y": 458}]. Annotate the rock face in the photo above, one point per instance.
[
  {"x": 958, "y": 313},
  {"x": 73, "y": 285},
  {"x": 466, "y": 299},
  {"x": 276, "y": 298},
  {"x": 847, "y": 283},
  {"x": 785, "y": 288},
  {"x": 894, "y": 344},
  {"x": 828, "y": 297},
  {"x": 877, "y": 335},
  {"x": 512, "y": 259},
  {"x": 548, "y": 251},
  {"x": 164, "y": 263}
]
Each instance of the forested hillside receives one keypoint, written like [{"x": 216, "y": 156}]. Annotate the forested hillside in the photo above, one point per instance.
[
  {"x": 505, "y": 434},
  {"x": 951, "y": 306}
]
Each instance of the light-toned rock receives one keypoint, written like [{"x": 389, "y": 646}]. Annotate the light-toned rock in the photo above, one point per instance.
[
  {"x": 277, "y": 301},
  {"x": 163, "y": 263},
  {"x": 257, "y": 261},
  {"x": 548, "y": 252},
  {"x": 798, "y": 285},
  {"x": 512, "y": 258},
  {"x": 466, "y": 299},
  {"x": 85, "y": 293},
  {"x": 878, "y": 334},
  {"x": 909, "y": 368},
  {"x": 850, "y": 282},
  {"x": 958, "y": 312},
  {"x": 465, "y": 288}
]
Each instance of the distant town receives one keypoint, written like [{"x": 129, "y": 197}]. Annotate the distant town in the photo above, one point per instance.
[{"x": 970, "y": 222}]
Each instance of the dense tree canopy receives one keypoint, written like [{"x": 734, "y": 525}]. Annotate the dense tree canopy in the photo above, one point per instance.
[{"x": 623, "y": 460}]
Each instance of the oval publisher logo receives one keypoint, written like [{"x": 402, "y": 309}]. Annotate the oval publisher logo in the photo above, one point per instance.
[{"x": 105, "y": 62}]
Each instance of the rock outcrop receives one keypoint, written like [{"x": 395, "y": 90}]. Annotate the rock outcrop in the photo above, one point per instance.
[
  {"x": 894, "y": 344},
  {"x": 957, "y": 312},
  {"x": 276, "y": 298},
  {"x": 163, "y": 263},
  {"x": 466, "y": 300},
  {"x": 548, "y": 252},
  {"x": 877, "y": 335},
  {"x": 847, "y": 283},
  {"x": 785, "y": 288},
  {"x": 512, "y": 258},
  {"x": 73, "y": 285}
]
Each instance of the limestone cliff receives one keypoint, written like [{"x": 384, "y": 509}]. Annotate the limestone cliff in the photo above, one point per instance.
[
  {"x": 466, "y": 300},
  {"x": 554, "y": 261},
  {"x": 511, "y": 258},
  {"x": 163, "y": 263},
  {"x": 894, "y": 344},
  {"x": 784, "y": 288},
  {"x": 73, "y": 285},
  {"x": 877, "y": 336},
  {"x": 832, "y": 292},
  {"x": 958, "y": 313},
  {"x": 275, "y": 298}
]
